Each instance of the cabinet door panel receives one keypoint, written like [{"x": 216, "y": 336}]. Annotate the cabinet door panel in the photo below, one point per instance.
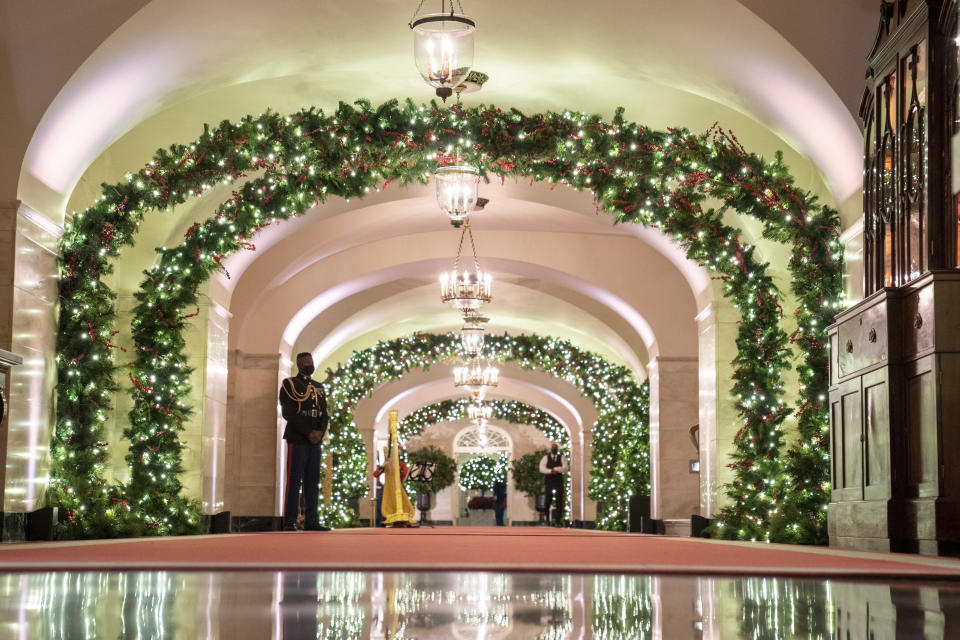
[
  {"x": 876, "y": 440},
  {"x": 921, "y": 413},
  {"x": 851, "y": 436}
]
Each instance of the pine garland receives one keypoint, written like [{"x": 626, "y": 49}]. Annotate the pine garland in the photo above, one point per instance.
[
  {"x": 655, "y": 178},
  {"x": 620, "y": 453},
  {"x": 511, "y": 411}
]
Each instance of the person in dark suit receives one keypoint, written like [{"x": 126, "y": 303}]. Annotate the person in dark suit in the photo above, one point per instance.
[
  {"x": 499, "y": 500},
  {"x": 553, "y": 466},
  {"x": 304, "y": 407}
]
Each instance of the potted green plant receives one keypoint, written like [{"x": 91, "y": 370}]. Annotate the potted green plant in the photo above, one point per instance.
[
  {"x": 431, "y": 471},
  {"x": 529, "y": 480}
]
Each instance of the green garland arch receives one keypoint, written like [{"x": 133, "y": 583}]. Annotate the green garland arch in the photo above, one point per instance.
[
  {"x": 512, "y": 411},
  {"x": 620, "y": 452},
  {"x": 639, "y": 175}
]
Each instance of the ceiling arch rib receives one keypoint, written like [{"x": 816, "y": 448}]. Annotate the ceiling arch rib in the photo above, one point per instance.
[
  {"x": 338, "y": 225},
  {"x": 419, "y": 387},
  {"x": 401, "y": 308},
  {"x": 615, "y": 272},
  {"x": 509, "y": 389},
  {"x": 602, "y": 308}
]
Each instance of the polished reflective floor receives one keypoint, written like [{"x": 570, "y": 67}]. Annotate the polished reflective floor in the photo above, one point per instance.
[{"x": 482, "y": 606}]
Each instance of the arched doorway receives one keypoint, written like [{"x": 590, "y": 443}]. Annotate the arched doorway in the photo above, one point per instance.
[{"x": 471, "y": 442}]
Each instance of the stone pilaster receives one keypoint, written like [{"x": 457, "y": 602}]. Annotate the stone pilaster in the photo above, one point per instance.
[
  {"x": 675, "y": 491},
  {"x": 253, "y": 435},
  {"x": 30, "y": 330}
]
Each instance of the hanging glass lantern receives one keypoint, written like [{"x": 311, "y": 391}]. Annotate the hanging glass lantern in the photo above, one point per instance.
[
  {"x": 475, "y": 378},
  {"x": 471, "y": 335},
  {"x": 465, "y": 290},
  {"x": 457, "y": 191},
  {"x": 443, "y": 48}
]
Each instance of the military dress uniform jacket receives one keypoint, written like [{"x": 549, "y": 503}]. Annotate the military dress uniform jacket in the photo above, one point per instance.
[{"x": 304, "y": 407}]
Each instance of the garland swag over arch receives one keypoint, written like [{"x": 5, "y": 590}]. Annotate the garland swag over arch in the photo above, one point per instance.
[
  {"x": 512, "y": 411},
  {"x": 666, "y": 179},
  {"x": 620, "y": 453}
]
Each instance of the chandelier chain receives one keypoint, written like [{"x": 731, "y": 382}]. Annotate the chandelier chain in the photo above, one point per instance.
[
  {"x": 473, "y": 247},
  {"x": 466, "y": 230},
  {"x": 442, "y": 9},
  {"x": 415, "y": 12},
  {"x": 456, "y": 263}
]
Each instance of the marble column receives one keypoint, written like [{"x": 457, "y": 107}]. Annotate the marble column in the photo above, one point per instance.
[
  {"x": 28, "y": 328},
  {"x": 583, "y": 508},
  {"x": 367, "y": 506},
  {"x": 707, "y": 432},
  {"x": 8, "y": 254},
  {"x": 7, "y": 362},
  {"x": 253, "y": 435},
  {"x": 8, "y": 239},
  {"x": 215, "y": 406},
  {"x": 719, "y": 422},
  {"x": 674, "y": 389}
]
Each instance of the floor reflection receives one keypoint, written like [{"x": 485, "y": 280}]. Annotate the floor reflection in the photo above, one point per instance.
[{"x": 481, "y": 606}]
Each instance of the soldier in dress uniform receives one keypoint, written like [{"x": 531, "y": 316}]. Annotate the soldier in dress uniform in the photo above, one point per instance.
[{"x": 304, "y": 407}]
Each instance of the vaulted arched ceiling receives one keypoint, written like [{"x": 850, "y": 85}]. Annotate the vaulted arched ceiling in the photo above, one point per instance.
[
  {"x": 94, "y": 88},
  {"x": 175, "y": 63}
]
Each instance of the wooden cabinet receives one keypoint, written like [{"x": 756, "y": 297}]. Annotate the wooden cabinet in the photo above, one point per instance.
[
  {"x": 895, "y": 360},
  {"x": 895, "y": 419},
  {"x": 861, "y": 398}
]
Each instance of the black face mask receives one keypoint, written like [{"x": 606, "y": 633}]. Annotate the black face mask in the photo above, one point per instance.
[{"x": 307, "y": 370}]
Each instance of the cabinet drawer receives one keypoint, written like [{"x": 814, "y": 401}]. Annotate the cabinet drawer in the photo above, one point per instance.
[
  {"x": 918, "y": 323},
  {"x": 863, "y": 341}
]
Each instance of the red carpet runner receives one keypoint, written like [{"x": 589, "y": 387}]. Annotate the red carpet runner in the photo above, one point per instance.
[{"x": 468, "y": 548}]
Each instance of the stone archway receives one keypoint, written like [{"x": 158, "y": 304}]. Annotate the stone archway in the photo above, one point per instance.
[{"x": 466, "y": 444}]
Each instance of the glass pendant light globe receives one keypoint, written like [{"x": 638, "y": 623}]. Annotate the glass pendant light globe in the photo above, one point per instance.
[
  {"x": 471, "y": 335},
  {"x": 457, "y": 191},
  {"x": 443, "y": 49}
]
